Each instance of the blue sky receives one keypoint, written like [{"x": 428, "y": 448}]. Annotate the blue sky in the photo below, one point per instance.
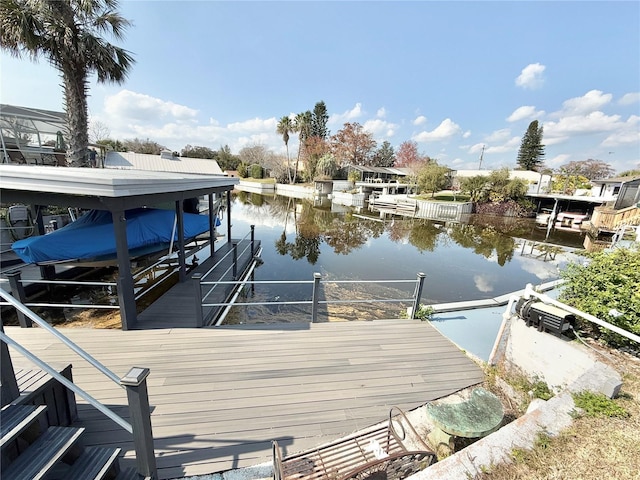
[{"x": 452, "y": 76}]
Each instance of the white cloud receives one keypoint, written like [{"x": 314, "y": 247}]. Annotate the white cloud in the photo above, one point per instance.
[
  {"x": 348, "y": 116},
  {"x": 594, "y": 122},
  {"x": 420, "y": 120},
  {"x": 444, "y": 131},
  {"x": 527, "y": 112},
  {"x": 499, "y": 136},
  {"x": 630, "y": 98},
  {"x": 510, "y": 145},
  {"x": 380, "y": 128},
  {"x": 381, "y": 113},
  {"x": 253, "y": 125},
  {"x": 558, "y": 160},
  {"x": 531, "y": 76},
  {"x": 466, "y": 134},
  {"x": 131, "y": 106},
  {"x": 591, "y": 101},
  {"x": 627, "y": 134}
]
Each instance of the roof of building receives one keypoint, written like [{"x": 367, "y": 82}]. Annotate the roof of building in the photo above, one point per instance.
[
  {"x": 616, "y": 180},
  {"x": 164, "y": 162},
  {"x": 386, "y": 170},
  {"x": 104, "y": 182}
]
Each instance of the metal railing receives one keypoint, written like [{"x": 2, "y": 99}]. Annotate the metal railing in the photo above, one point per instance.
[
  {"x": 134, "y": 383},
  {"x": 314, "y": 301}
]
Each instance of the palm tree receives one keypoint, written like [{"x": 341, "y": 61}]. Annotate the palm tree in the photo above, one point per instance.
[
  {"x": 284, "y": 128},
  {"x": 301, "y": 125},
  {"x": 67, "y": 33}
]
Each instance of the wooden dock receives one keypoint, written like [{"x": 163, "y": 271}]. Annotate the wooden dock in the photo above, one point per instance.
[
  {"x": 220, "y": 395},
  {"x": 176, "y": 308}
]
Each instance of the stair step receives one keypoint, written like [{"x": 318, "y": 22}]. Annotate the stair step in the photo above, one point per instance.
[
  {"x": 94, "y": 464},
  {"x": 14, "y": 419},
  {"x": 35, "y": 461}
]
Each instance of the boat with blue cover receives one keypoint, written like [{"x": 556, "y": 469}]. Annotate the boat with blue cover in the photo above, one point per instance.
[{"x": 91, "y": 239}]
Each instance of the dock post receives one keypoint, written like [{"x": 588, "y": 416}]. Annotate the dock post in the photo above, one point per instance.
[
  {"x": 135, "y": 382},
  {"x": 235, "y": 261},
  {"x": 314, "y": 297},
  {"x": 253, "y": 240},
  {"x": 197, "y": 288},
  {"x": 417, "y": 295},
  {"x": 17, "y": 290},
  {"x": 9, "y": 390}
]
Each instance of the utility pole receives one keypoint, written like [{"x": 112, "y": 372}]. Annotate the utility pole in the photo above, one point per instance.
[{"x": 481, "y": 156}]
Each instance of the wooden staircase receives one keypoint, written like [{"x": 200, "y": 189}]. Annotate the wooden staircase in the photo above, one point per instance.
[{"x": 31, "y": 450}]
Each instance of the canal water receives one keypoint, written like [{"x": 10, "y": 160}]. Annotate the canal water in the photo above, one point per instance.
[{"x": 476, "y": 258}]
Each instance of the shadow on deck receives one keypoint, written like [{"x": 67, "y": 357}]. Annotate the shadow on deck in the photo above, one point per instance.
[{"x": 178, "y": 307}]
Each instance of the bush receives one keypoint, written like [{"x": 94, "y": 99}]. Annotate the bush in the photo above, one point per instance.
[
  {"x": 606, "y": 287},
  {"x": 256, "y": 171},
  {"x": 242, "y": 170}
]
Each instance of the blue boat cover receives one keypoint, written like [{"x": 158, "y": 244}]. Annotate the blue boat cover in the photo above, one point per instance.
[{"x": 91, "y": 236}]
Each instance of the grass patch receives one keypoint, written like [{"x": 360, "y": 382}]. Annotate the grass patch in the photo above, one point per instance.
[
  {"x": 259, "y": 180},
  {"x": 597, "y": 404}
]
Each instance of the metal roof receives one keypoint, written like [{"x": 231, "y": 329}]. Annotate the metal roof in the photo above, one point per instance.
[
  {"x": 161, "y": 163},
  {"x": 105, "y": 182}
]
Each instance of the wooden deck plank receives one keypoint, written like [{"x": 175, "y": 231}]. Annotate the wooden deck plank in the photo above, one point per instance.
[{"x": 220, "y": 395}]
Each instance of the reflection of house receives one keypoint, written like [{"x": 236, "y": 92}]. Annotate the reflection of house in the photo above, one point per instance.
[{"x": 537, "y": 182}]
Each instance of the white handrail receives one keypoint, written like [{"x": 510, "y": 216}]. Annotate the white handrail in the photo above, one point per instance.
[
  {"x": 36, "y": 319},
  {"x": 70, "y": 385}
]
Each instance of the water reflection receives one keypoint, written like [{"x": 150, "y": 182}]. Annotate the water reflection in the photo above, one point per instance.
[{"x": 480, "y": 258}]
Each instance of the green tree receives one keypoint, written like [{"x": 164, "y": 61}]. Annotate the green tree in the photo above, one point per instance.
[
  {"x": 477, "y": 187},
  {"x": 319, "y": 121},
  {"x": 68, "y": 33},
  {"x": 284, "y": 128},
  {"x": 432, "y": 178},
  {"x": 198, "y": 152},
  {"x": 147, "y": 146},
  {"x": 384, "y": 156},
  {"x": 327, "y": 166},
  {"x": 302, "y": 126},
  {"x": 531, "y": 153},
  {"x": 112, "y": 145},
  {"x": 606, "y": 287},
  {"x": 226, "y": 159}
]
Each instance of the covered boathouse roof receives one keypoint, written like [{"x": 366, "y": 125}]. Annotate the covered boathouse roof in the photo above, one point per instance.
[{"x": 114, "y": 190}]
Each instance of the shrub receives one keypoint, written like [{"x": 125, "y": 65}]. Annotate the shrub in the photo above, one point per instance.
[
  {"x": 242, "y": 170},
  {"x": 606, "y": 287},
  {"x": 256, "y": 171}
]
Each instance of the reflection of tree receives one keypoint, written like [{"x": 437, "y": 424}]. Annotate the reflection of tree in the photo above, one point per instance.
[
  {"x": 484, "y": 240},
  {"x": 345, "y": 235},
  {"x": 424, "y": 236}
]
